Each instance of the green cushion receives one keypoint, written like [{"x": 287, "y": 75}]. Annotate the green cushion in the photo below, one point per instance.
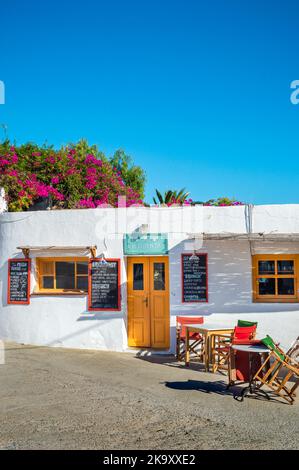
[
  {"x": 269, "y": 342},
  {"x": 247, "y": 323}
]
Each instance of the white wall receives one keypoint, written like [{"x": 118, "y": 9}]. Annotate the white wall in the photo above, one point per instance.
[
  {"x": 65, "y": 321},
  {"x": 230, "y": 292}
]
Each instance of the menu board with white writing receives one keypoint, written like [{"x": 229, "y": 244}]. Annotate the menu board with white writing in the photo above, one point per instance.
[
  {"x": 18, "y": 281},
  {"x": 194, "y": 278},
  {"x": 104, "y": 284}
]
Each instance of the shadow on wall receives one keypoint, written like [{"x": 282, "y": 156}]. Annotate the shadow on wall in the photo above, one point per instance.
[
  {"x": 229, "y": 282},
  {"x": 94, "y": 326},
  {"x": 229, "y": 286},
  {"x": 103, "y": 316}
]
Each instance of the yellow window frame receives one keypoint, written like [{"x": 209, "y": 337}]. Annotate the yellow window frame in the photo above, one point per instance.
[
  {"x": 40, "y": 275},
  {"x": 256, "y": 276}
]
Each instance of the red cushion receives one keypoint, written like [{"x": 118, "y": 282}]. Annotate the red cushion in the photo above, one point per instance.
[
  {"x": 244, "y": 332},
  {"x": 242, "y": 365},
  {"x": 182, "y": 321}
]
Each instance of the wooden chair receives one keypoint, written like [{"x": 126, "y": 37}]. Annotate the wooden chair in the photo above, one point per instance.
[
  {"x": 293, "y": 352},
  {"x": 220, "y": 349},
  {"x": 195, "y": 339},
  {"x": 278, "y": 372}
]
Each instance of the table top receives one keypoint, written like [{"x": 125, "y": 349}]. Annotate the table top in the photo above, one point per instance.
[
  {"x": 255, "y": 348},
  {"x": 209, "y": 327}
]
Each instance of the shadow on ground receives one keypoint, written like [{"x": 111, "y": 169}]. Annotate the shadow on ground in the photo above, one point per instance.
[
  {"x": 171, "y": 361},
  {"x": 218, "y": 387}
]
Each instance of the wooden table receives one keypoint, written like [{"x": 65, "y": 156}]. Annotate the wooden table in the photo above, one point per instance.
[{"x": 209, "y": 331}]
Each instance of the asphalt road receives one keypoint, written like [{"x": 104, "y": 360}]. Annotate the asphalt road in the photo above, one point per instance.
[{"x": 70, "y": 399}]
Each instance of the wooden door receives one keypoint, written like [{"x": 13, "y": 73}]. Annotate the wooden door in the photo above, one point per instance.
[
  {"x": 148, "y": 302},
  {"x": 139, "y": 331},
  {"x": 159, "y": 302}
]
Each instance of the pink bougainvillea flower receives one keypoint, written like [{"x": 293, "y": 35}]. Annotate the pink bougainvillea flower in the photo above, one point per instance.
[
  {"x": 88, "y": 203},
  {"x": 84, "y": 180},
  {"x": 42, "y": 190},
  {"x": 56, "y": 194}
]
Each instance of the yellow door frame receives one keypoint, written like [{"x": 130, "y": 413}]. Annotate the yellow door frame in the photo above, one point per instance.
[{"x": 148, "y": 309}]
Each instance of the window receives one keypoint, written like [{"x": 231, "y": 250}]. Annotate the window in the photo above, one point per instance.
[
  {"x": 275, "y": 278},
  {"x": 159, "y": 276},
  {"x": 62, "y": 275},
  {"x": 138, "y": 276}
]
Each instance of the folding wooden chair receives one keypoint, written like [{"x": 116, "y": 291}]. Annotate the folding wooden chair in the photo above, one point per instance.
[
  {"x": 278, "y": 373},
  {"x": 195, "y": 339},
  {"x": 221, "y": 347},
  {"x": 293, "y": 352}
]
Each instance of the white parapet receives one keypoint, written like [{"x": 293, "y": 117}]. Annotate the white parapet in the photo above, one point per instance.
[{"x": 3, "y": 202}]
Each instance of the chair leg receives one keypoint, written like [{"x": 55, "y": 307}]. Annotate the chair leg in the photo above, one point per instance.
[
  {"x": 177, "y": 348},
  {"x": 179, "y": 354}
]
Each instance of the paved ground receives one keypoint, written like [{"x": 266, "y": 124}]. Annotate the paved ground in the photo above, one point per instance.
[{"x": 58, "y": 398}]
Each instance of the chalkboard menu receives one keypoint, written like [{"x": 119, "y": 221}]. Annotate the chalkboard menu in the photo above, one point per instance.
[
  {"x": 104, "y": 284},
  {"x": 18, "y": 281},
  {"x": 194, "y": 278}
]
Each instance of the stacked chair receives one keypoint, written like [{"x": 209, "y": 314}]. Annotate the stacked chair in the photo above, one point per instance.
[
  {"x": 293, "y": 352},
  {"x": 279, "y": 372},
  {"x": 196, "y": 341}
]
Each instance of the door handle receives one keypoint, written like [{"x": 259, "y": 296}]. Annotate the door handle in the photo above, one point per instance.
[{"x": 146, "y": 301}]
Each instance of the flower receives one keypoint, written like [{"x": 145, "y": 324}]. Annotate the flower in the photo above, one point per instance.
[
  {"x": 84, "y": 180},
  {"x": 42, "y": 190},
  {"x": 56, "y": 194},
  {"x": 88, "y": 203}
]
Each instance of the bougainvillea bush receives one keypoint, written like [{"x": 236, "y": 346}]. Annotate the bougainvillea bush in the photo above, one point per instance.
[{"x": 76, "y": 176}]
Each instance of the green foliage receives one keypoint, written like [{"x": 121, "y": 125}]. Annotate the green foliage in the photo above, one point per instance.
[
  {"x": 132, "y": 175},
  {"x": 223, "y": 201},
  {"x": 83, "y": 148},
  {"x": 172, "y": 197},
  {"x": 182, "y": 198}
]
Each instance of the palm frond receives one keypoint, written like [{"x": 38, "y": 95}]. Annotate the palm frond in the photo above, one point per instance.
[
  {"x": 160, "y": 197},
  {"x": 168, "y": 196}
]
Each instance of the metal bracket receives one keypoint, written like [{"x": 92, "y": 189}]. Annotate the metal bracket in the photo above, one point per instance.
[
  {"x": 93, "y": 251},
  {"x": 26, "y": 252}
]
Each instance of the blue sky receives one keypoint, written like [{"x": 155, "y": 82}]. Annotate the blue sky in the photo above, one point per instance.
[{"x": 197, "y": 92}]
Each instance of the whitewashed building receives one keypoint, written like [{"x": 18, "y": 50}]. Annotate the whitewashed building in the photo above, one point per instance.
[{"x": 223, "y": 263}]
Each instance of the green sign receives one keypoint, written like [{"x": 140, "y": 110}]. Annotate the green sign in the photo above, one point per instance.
[{"x": 148, "y": 244}]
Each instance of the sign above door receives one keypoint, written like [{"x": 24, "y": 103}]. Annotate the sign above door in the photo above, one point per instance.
[{"x": 146, "y": 244}]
